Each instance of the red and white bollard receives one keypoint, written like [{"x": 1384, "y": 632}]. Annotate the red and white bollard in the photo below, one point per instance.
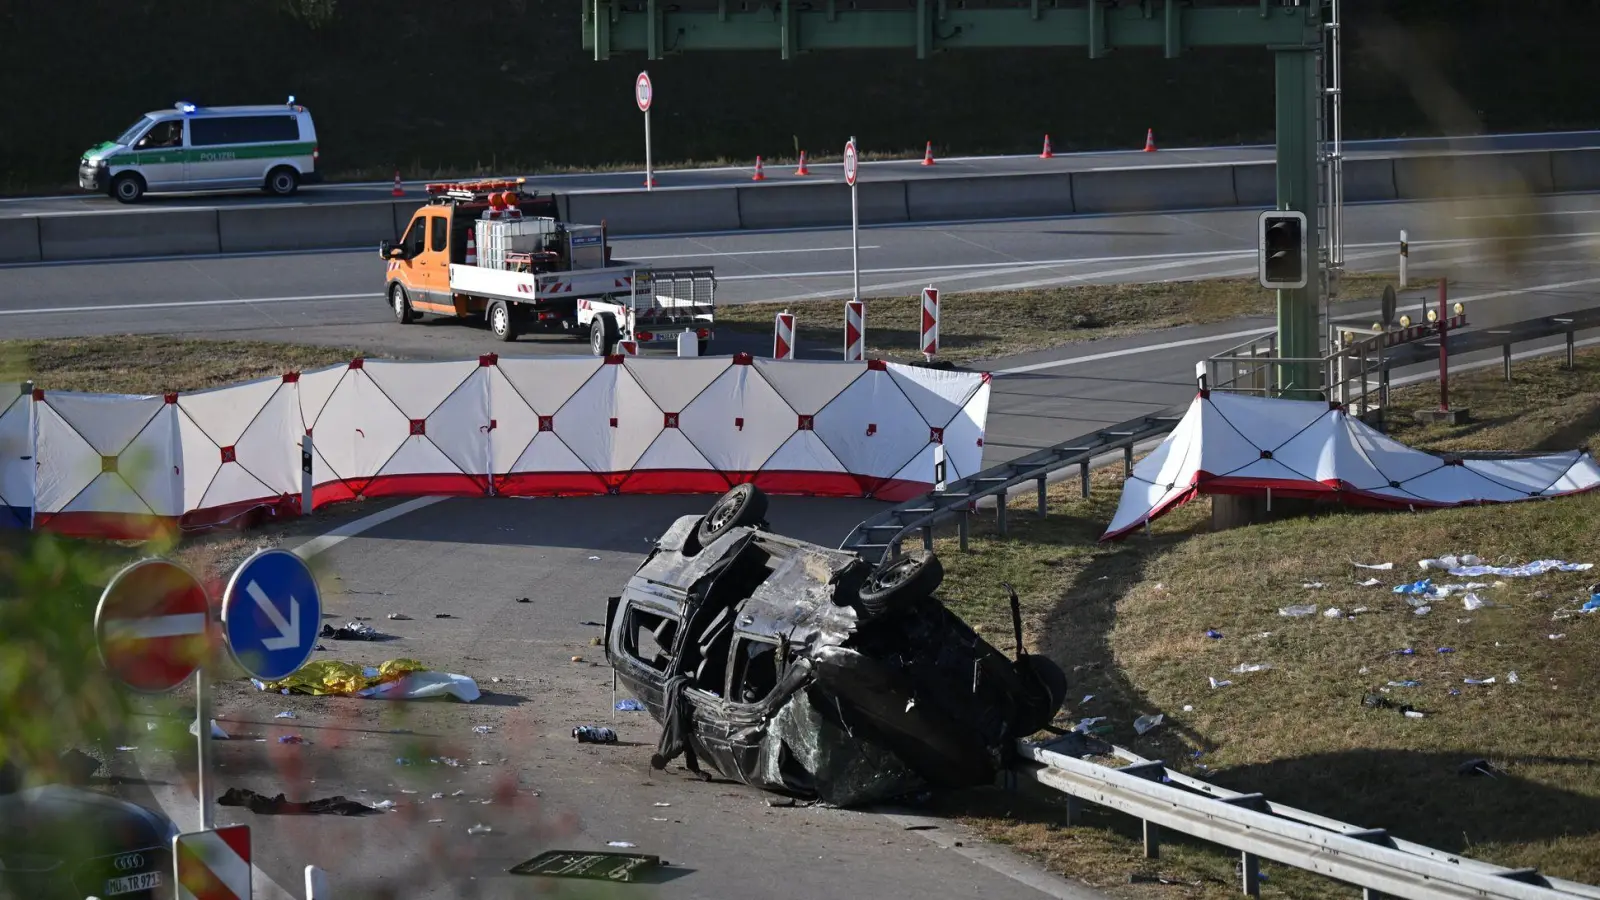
[
  {"x": 930, "y": 322},
  {"x": 855, "y": 331},
  {"x": 783, "y": 336}
]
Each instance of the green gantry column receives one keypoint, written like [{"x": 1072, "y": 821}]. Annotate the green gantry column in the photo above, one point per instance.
[{"x": 1297, "y": 190}]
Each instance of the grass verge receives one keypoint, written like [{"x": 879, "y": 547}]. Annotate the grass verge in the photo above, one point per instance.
[
  {"x": 986, "y": 325},
  {"x": 1129, "y": 622},
  {"x": 154, "y": 364}
]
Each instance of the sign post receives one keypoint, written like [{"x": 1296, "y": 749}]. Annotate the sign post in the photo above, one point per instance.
[
  {"x": 855, "y": 216},
  {"x": 307, "y": 485},
  {"x": 643, "y": 93}
]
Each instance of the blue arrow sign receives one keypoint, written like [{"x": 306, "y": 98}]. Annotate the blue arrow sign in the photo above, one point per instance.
[{"x": 271, "y": 612}]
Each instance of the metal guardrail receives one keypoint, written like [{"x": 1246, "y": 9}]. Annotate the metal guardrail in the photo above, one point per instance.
[
  {"x": 1258, "y": 829},
  {"x": 881, "y": 535}
]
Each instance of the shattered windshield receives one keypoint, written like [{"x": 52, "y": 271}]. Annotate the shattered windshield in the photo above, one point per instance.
[{"x": 127, "y": 137}]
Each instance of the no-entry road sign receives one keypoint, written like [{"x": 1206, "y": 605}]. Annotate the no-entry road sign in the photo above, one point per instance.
[
  {"x": 272, "y": 610},
  {"x": 151, "y": 625},
  {"x": 213, "y": 865},
  {"x": 643, "y": 91},
  {"x": 850, "y": 162}
]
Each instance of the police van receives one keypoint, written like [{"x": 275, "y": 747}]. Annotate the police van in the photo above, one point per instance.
[{"x": 198, "y": 148}]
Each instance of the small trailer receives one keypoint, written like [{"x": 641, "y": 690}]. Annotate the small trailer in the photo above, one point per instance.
[{"x": 488, "y": 250}]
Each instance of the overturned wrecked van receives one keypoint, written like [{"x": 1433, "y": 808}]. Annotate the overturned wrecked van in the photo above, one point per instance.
[{"x": 805, "y": 670}]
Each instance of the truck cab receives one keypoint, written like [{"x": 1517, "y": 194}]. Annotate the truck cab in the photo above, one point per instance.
[
  {"x": 488, "y": 250},
  {"x": 443, "y": 232}
]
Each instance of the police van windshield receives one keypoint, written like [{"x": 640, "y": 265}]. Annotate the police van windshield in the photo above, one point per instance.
[{"x": 127, "y": 137}]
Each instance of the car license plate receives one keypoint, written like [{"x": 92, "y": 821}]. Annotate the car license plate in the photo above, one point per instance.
[{"x": 127, "y": 884}]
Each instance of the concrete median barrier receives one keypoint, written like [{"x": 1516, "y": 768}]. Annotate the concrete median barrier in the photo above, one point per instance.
[
  {"x": 168, "y": 232},
  {"x": 821, "y": 205},
  {"x": 1153, "y": 189},
  {"x": 1473, "y": 175},
  {"x": 1576, "y": 170},
  {"x": 1368, "y": 180},
  {"x": 1255, "y": 185},
  {"x": 803, "y": 204},
  {"x": 19, "y": 240},
  {"x": 248, "y": 229},
  {"x": 661, "y": 211},
  {"x": 989, "y": 196}
]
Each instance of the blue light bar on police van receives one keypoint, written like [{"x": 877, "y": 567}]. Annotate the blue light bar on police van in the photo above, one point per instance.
[
  {"x": 184, "y": 106},
  {"x": 291, "y": 99}
]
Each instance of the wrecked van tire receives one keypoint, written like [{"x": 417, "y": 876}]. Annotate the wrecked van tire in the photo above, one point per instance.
[
  {"x": 1047, "y": 692},
  {"x": 743, "y": 506},
  {"x": 895, "y": 584}
]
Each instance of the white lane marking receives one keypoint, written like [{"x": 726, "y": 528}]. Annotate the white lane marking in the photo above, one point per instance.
[
  {"x": 1020, "y": 269},
  {"x": 180, "y": 304},
  {"x": 336, "y": 536},
  {"x": 1532, "y": 215},
  {"x": 937, "y": 832},
  {"x": 721, "y": 253},
  {"x": 157, "y": 627},
  {"x": 997, "y": 265},
  {"x": 1237, "y": 335}
]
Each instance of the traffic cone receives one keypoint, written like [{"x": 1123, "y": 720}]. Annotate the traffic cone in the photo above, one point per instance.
[
  {"x": 398, "y": 190},
  {"x": 760, "y": 175},
  {"x": 802, "y": 170},
  {"x": 1046, "y": 154},
  {"x": 471, "y": 257},
  {"x": 1150, "y": 140},
  {"x": 927, "y": 155}
]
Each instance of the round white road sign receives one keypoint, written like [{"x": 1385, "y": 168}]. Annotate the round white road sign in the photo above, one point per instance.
[
  {"x": 850, "y": 162},
  {"x": 642, "y": 91}
]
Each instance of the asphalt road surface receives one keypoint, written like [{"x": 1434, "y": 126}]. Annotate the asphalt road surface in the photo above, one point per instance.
[
  {"x": 334, "y": 297},
  {"x": 473, "y": 558},
  {"x": 885, "y": 170}
]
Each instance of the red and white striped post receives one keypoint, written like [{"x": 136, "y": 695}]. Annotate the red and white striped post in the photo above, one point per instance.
[
  {"x": 930, "y": 322},
  {"x": 783, "y": 336},
  {"x": 855, "y": 331}
]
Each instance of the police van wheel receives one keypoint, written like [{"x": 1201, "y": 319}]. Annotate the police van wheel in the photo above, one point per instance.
[
  {"x": 282, "y": 181},
  {"x": 127, "y": 187},
  {"x": 500, "y": 321},
  {"x": 401, "y": 305}
]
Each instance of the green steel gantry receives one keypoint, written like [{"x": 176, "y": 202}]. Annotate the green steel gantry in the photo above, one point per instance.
[{"x": 1293, "y": 30}]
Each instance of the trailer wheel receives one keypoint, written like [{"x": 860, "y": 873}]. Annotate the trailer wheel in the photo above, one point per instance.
[
  {"x": 501, "y": 321},
  {"x": 705, "y": 347},
  {"x": 602, "y": 334},
  {"x": 401, "y": 304}
]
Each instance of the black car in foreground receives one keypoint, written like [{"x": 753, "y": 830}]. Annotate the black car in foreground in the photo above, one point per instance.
[
  {"x": 60, "y": 841},
  {"x": 805, "y": 670}
]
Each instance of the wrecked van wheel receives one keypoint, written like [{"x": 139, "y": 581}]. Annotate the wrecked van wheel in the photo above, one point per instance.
[
  {"x": 1047, "y": 686},
  {"x": 745, "y": 505},
  {"x": 898, "y": 582}
]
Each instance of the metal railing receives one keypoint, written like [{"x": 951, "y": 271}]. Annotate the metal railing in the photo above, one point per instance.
[
  {"x": 1258, "y": 829},
  {"x": 881, "y": 535}
]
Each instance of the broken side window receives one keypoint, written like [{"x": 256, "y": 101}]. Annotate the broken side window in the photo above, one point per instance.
[
  {"x": 648, "y": 637},
  {"x": 754, "y": 670}
]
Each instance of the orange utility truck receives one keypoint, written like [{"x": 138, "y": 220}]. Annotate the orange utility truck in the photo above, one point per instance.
[{"x": 489, "y": 250}]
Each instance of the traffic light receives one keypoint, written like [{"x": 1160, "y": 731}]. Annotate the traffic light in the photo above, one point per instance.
[{"x": 1281, "y": 237}]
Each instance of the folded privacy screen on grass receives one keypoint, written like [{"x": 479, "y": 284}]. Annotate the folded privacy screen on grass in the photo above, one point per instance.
[
  {"x": 124, "y": 466},
  {"x": 1239, "y": 444}
]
